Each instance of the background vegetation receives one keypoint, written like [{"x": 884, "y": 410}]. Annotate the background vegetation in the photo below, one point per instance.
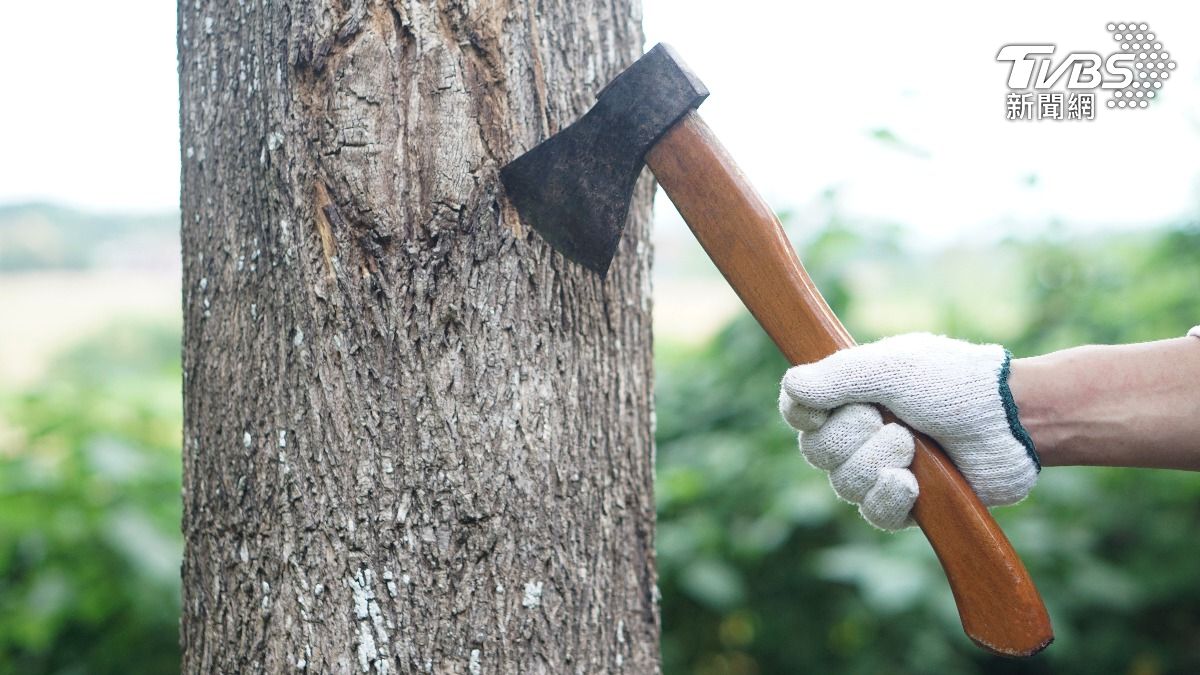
[{"x": 762, "y": 569}]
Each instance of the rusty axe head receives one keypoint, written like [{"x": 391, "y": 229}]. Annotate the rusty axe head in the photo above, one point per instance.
[{"x": 574, "y": 188}]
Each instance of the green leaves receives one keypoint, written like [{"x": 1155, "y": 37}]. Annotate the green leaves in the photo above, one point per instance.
[
  {"x": 90, "y": 509},
  {"x": 753, "y": 544}
]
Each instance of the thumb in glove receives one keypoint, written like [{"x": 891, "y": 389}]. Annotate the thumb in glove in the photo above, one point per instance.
[{"x": 954, "y": 391}]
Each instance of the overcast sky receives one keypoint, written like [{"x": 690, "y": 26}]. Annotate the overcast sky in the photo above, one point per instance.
[{"x": 799, "y": 91}]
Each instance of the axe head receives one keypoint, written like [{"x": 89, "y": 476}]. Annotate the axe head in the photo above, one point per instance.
[{"x": 574, "y": 188}]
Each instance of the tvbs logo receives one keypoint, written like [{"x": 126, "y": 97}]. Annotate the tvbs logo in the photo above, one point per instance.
[
  {"x": 1132, "y": 73},
  {"x": 1032, "y": 68}
]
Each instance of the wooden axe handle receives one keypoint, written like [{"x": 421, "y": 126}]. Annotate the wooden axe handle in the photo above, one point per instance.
[{"x": 999, "y": 606}]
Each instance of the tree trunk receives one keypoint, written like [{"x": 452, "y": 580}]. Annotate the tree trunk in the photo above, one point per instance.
[{"x": 416, "y": 439}]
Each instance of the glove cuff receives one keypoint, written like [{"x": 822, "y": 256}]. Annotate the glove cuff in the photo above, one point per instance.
[{"x": 1013, "y": 414}]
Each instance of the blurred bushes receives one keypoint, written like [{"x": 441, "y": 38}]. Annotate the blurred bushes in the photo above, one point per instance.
[
  {"x": 762, "y": 570},
  {"x": 90, "y": 509},
  {"x": 36, "y": 237}
]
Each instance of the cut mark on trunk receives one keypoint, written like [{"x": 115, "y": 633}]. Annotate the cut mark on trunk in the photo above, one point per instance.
[
  {"x": 508, "y": 214},
  {"x": 328, "y": 216}
]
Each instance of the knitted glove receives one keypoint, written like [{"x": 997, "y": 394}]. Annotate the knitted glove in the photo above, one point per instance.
[{"x": 954, "y": 391}]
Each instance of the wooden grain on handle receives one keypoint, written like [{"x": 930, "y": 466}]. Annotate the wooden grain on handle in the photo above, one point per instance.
[{"x": 999, "y": 606}]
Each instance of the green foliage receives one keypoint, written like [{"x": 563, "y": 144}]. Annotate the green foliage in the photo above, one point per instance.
[
  {"x": 762, "y": 570},
  {"x": 1111, "y": 290},
  {"x": 90, "y": 510}
]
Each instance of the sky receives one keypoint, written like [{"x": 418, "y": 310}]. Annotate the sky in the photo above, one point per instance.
[
  {"x": 898, "y": 108},
  {"x": 90, "y": 115},
  {"x": 799, "y": 90}
]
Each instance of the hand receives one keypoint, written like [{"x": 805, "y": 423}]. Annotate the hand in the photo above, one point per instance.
[{"x": 954, "y": 391}]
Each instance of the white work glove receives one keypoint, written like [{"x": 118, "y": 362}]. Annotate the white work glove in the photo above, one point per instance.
[{"x": 954, "y": 391}]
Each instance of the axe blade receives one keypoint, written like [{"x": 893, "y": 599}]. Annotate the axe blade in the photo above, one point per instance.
[{"x": 575, "y": 187}]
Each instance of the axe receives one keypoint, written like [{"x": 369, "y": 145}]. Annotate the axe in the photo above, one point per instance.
[{"x": 574, "y": 189}]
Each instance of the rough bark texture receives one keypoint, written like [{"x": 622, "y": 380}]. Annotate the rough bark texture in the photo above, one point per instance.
[{"x": 416, "y": 440}]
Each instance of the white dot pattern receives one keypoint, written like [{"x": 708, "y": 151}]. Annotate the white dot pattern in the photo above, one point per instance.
[{"x": 1150, "y": 62}]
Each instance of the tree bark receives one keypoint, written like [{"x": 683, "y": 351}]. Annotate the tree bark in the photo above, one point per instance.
[{"x": 416, "y": 439}]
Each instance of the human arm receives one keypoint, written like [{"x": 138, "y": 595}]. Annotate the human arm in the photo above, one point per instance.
[
  {"x": 1135, "y": 405},
  {"x": 1082, "y": 406}
]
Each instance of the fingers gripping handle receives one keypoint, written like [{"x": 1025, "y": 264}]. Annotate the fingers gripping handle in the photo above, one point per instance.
[{"x": 999, "y": 606}]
